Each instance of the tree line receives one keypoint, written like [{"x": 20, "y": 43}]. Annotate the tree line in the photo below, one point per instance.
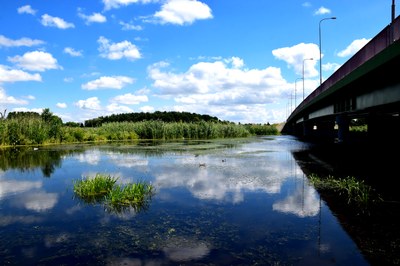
[
  {"x": 168, "y": 117},
  {"x": 30, "y": 128}
]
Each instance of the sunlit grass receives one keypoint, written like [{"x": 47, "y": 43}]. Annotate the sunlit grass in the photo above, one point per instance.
[
  {"x": 117, "y": 198},
  {"x": 94, "y": 189},
  {"x": 353, "y": 189}
]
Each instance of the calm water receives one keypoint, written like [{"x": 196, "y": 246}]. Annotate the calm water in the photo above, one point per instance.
[{"x": 230, "y": 202}]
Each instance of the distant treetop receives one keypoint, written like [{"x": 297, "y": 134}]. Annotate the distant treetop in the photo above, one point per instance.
[{"x": 171, "y": 116}]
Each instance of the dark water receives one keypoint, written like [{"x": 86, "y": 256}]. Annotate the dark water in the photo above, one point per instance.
[{"x": 229, "y": 202}]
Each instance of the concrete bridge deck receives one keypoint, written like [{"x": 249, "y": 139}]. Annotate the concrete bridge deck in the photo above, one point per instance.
[{"x": 366, "y": 87}]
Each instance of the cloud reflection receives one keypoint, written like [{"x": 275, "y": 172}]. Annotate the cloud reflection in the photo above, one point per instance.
[
  {"x": 59, "y": 239},
  {"x": 92, "y": 157},
  {"x": 304, "y": 202},
  {"x": 223, "y": 180},
  {"x": 128, "y": 160},
  {"x": 11, "y": 187},
  {"x": 10, "y": 219},
  {"x": 184, "y": 249},
  {"x": 37, "y": 201}
]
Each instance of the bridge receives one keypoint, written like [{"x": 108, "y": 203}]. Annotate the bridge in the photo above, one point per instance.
[{"x": 365, "y": 88}]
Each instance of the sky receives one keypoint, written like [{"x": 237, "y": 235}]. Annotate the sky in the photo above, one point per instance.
[{"x": 239, "y": 60}]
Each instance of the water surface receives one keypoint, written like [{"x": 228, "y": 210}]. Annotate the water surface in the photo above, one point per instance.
[{"x": 222, "y": 202}]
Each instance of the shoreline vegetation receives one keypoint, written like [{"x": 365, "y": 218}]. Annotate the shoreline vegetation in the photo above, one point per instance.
[{"x": 30, "y": 128}]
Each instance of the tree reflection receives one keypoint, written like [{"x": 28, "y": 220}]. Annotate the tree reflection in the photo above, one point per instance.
[{"x": 26, "y": 158}]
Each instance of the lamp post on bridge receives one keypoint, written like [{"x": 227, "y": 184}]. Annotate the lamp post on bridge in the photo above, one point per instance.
[
  {"x": 303, "y": 72},
  {"x": 295, "y": 89},
  {"x": 393, "y": 10},
  {"x": 320, "y": 48}
]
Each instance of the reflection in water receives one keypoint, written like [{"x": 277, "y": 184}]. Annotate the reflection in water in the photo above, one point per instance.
[
  {"x": 184, "y": 249},
  {"x": 38, "y": 201},
  {"x": 12, "y": 187},
  {"x": 226, "y": 179},
  {"x": 304, "y": 202},
  {"x": 26, "y": 158},
  {"x": 247, "y": 204},
  {"x": 92, "y": 157},
  {"x": 56, "y": 240},
  {"x": 10, "y": 219}
]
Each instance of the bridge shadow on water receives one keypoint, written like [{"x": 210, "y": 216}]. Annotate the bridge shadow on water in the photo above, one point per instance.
[{"x": 375, "y": 230}]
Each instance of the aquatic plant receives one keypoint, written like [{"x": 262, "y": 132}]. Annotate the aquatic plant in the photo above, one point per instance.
[
  {"x": 94, "y": 189},
  {"x": 133, "y": 195},
  {"x": 117, "y": 198},
  {"x": 353, "y": 189}
]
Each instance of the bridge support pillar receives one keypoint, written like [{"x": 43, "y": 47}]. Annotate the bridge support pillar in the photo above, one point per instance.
[
  {"x": 307, "y": 129},
  {"x": 320, "y": 131},
  {"x": 343, "y": 123}
]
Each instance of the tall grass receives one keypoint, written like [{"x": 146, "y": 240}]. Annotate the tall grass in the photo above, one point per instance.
[
  {"x": 35, "y": 131},
  {"x": 354, "y": 190}
]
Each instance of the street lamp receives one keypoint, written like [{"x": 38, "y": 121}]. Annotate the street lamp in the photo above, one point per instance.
[
  {"x": 303, "y": 73},
  {"x": 393, "y": 10},
  {"x": 295, "y": 89},
  {"x": 320, "y": 48}
]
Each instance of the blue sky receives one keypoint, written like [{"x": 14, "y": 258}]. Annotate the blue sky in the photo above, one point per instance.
[{"x": 239, "y": 60}]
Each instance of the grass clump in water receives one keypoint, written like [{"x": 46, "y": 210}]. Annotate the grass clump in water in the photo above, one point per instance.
[
  {"x": 94, "y": 189},
  {"x": 133, "y": 195},
  {"x": 117, "y": 198},
  {"x": 353, "y": 189}
]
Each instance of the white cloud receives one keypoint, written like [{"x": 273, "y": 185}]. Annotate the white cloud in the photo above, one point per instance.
[
  {"x": 61, "y": 105},
  {"x": 130, "y": 98},
  {"x": 50, "y": 21},
  {"x": 30, "y": 97},
  {"x": 92, "y": 103},
  {"x": 35, "y": 61},
  {"x": 182, "y": 12},
  {"x": 27, "y": 9},
  {"x": 5, "y": 99},
  {"x": 222, "y": 89},
  {"x": 294, "y": 57},
  {"x": 72, "y": 52},
  {"x": 115, "y": 108},
  {"x": 108, "y": 82},
  {"x": 115, "y": 51},
  {"x": 13, "y": 75},
  {"x": 94, "y": 18},
  {"x": 110, "y": 4},
  {"x": 237, "y": 62},
  {"x": 217, "y": 83},
  {"x": 330, "y": 67},
  {"x": 130, "y": 26},
  {"x": 322, "y": 11},
  {"x": 23, "y": 109},
  {"x": 147, "y": 109},
  {"x": 353, "y": 48},
  {"x": 4, "y": 41}
]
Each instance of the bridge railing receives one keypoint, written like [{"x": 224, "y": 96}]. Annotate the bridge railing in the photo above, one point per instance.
[{"x": 381, "y": 41}]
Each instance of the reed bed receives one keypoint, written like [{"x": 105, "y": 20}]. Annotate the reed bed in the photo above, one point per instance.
[{"x": 36, "y": 131}]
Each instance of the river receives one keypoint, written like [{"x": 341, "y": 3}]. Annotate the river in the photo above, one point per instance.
[{"x": 216, "y": 202}]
